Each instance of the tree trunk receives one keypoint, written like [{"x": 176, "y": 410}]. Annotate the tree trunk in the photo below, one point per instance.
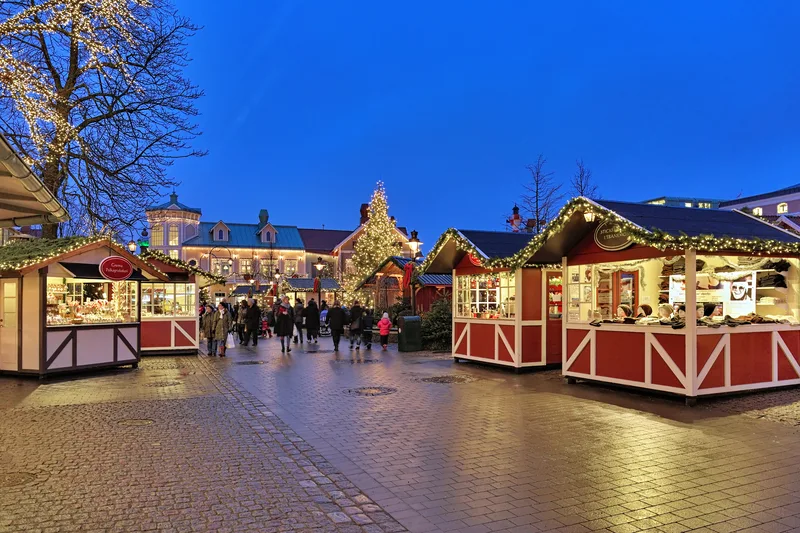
[{"x": 52, "y": 181}]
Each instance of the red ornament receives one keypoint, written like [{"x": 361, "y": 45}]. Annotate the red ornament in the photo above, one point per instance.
[
  {"x": 316, "y": 284},
  {"x": 407, "y": 270},
  {"x": 116, "y": 268},
  {"x": 474, "y": 260}
]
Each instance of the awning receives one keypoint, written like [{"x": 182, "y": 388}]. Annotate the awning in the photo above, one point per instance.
[
  {"x": 91, "y": 271},
  {"x": 24, "y": 200},
  {"x": 307, "y": 285},
  {"x": 243, "y": 290}
]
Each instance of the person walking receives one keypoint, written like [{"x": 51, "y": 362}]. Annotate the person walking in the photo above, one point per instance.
[
  {"x": 284, "y": 324},
  {"x": 298, "y": 320},
  {"x": 335, "y": 318},
  {"x": 366, "y": 329},
  {"x": 240, "y": 322},
  {"x": 384, "y": 325},
  {"x": 312, "y": 321},
  {"x": 252, "y": 322},
  {"x": 207, "y": 324},
  {"x": 269, "y": 322},
  {"x": 355, "y": 325},
  {"x": 222, "y": 326}
]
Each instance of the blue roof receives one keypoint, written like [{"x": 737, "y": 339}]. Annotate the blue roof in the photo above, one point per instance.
[
  {"x": 497, "y": 243},
  {"x": 445, "y": 280},
  {"x": 244, "y": 236},
  {"x": 307, "y": 284},
  {"x": 173, "y": 201}
]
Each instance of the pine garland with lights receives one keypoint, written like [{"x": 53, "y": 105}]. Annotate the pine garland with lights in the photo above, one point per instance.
[
  {"x": 652, "y": 238},
  {"x": 167, "y": 260},
  {"x": 377, "y": 242}
]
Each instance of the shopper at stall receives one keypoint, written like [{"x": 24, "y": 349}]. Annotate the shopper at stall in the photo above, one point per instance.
[
  {"x": 384, "y": 326},
  {"x": 298, "y": 320},
  {"x": 366, "y": 328},
  {"x": 207, "y": 325},
  {"x": 335, "y": 318},
  {"x": 252, "y": 321},
  {"x": 312, "y": 320},
  {"x": 355, "y": 325},
  {"x": 223, "y": 323},
  {"x": 284, "y": 324}
]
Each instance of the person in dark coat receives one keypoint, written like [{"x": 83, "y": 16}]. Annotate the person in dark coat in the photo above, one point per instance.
[
  {"x": 298, "y": 320},
  {"x": 355, "y": 325},
  {"x": 311, "y": 313},
  {"x": 284, "y": 324},
  {"x": 366, "y": 328},
  {"x": 252, "y": 322},
  {"x": 336, "y": 321}
]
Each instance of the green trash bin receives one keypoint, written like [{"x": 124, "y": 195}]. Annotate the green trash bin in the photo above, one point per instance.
[{"x": 409, "y": 334}]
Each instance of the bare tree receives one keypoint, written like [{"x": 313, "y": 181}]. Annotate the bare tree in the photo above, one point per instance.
[
  {"x": 544, "y": 195},
  {"x": 582, "y": 182},
  {"x": 92, "y": 93}
]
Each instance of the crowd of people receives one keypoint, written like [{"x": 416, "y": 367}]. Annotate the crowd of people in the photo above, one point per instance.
[{"x": 248, "y": 322}]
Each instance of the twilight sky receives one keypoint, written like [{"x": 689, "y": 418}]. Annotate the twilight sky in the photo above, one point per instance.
[{"x": 308, "y": 103}]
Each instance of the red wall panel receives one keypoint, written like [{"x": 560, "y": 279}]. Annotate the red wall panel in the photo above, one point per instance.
[
  {"x": 785, "y": 368},
  {"x": 574, "y": 339},
  {"x": 751, "y": 358},
  {"x": 481, "y": 340},
  {"x": 716, "y": 376},
  {"x": 553, "y": 343},
  {"x": 156, "y": 334},
  {"x": 462, "y": 347},
  {"x": 620, "y": 355},
  {"x": 531, "y": 344},
  {"x": 675, "y": 346},
  {"x": 531, "y": 294}
]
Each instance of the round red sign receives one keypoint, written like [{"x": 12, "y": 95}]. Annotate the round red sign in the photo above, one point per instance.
[
  {"x": 474, "y": 260},
  {"x": 115, "y": 268}
]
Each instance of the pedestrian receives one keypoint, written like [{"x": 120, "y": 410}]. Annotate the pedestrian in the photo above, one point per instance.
[
  {"x": 284, "y": 324},
  {"x": 269, "y": 319},
  {"x": 366, "y": 328},
  {"x": 384, "y": 325},
  {"x": 355, "y": 325},
  {"x": 240, "y": 322},
  {"x": 252, "y": 322},
  {"x": 312, "y": 321},
  {"x": 298, "y": 320},
  {"x": 335, "y": 318},
  {"x": 207, "y": 324},
  {"x": 323, "y": 312},
  {"x": 222, "y": 327}
]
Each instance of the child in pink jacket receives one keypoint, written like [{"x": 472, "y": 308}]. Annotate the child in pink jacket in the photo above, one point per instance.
[{"x": 384, "y": 325}]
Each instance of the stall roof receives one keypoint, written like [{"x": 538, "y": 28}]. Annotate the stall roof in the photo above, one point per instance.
[
  {"x": 24, "y": 200},
  {"x": 495, "y": 248},
  {"x": 307, "y": 284},
  {"x": 497, "y": 244},
  {"x": 439, "y": 280},
  {"x": 30, "y": 254},
  {"x": 209, "y": 278}
]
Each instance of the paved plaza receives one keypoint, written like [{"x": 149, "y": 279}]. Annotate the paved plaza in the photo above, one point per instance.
[{"x": 373, "y": 442}]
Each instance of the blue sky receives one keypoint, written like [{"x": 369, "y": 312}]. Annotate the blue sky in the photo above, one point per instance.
[{"x": 308, "y": 104}]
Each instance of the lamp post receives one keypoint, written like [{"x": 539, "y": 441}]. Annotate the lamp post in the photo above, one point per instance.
[
  {"x": 414, "y": 243},
  {"x": 319, "y": 265},
  {"x": 144, "y": 242},
  {"x": 416, "y": 253},
  {"x": 132, "y": 246}
]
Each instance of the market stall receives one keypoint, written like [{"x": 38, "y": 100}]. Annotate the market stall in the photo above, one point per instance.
[
  {"x": 326, "y": 290},
  {"x": 70, "y": 304},
  {"x": 170, "y": 310},
  {"x": 686, "y": 301},
  {"x": 386, "y": 287},
  {"x": 506, "y": 309}
]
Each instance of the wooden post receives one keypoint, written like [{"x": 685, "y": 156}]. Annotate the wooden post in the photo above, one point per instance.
[{"x": 691, "y": 324}]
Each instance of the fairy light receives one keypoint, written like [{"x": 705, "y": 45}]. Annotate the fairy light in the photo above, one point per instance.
[{"x": 164, "y": 258}]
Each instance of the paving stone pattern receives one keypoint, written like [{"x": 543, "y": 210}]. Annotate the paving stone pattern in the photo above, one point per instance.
[
  {"x": 506, "y": 452},
  {"x": 214, "y": 459}
]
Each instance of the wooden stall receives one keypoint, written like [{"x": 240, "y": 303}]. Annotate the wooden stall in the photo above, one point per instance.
[
  {"x": 70, "y": 304},
  {"x": 385, "y": 285},
  {"x": 506, "y": 310},
  {"x": 712, "y": 297},
  {"x": 170, "y": 310}
]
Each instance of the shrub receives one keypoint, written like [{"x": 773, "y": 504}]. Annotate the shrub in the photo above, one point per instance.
[{"x": 437, "y": 326}]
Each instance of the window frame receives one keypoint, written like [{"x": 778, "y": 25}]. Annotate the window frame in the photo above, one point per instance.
[
  {"x": 173, "y": 231},
  {"x": 758, "y": 211},
  {"x": 157, "y": 235},
  {"x": 783, "y": 208},
  {"x": 486, "y": 296}
]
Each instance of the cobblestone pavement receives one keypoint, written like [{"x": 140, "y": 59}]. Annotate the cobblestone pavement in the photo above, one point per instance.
[
  {"x": 171, "y": 447},
  {"x": 497, "y": 451}
]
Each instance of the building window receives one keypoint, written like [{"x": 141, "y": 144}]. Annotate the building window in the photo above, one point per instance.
[
  {"x": 290, "y": 267},
  {"x": 783, "y": 208},
  {"x": 173, "y": 254},
  {"x": 220, "y": 266},
  {"x": 758, "y": 211},
  {"x": 246, "y": 266},
  {"x": 174, "y": 240},
  {"x": 268, "y": 236},
  {"x": 658, "y": 202},
  {"x": 704, "y": 205},
  {"x": 157, "y": 235},
  {"x": 221, "y": 235},
  {"x": 687, "y": 204}
]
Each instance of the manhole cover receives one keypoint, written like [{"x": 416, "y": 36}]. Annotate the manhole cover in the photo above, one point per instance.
[
  {"x": 149, "y": 364},
  {"x": 370, "y": 391},
  {"x": 163, "y": 384},
  {"x": 134, "y": 422},
  {"x": 448, "y": 379},
  {"x": 356, "y": 361},
  {"x": 249, "y": 363},
  {"x": 12, "y": 479}
]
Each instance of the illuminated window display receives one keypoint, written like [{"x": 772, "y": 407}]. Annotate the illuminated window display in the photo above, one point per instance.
[
  {"x": 168, "y": 299},
  {"x": 77, "y": 301},
  {"x": 490, "y": 296}
]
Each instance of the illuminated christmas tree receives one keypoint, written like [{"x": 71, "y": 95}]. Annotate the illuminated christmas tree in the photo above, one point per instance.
[{"x": 377, "y": 242}]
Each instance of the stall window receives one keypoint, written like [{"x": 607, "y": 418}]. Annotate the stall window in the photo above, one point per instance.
[
  {"x": 488, "y": 296},
  {"x": 290, "y": 267},
  {"x": 157, "y": 235},
  {"x": 783, "y": 208},
  {"x": 174, "y": 235},
  {"x": 246, "y": 266},
  {"x": 77, "y": 301},
  {"x": 168, "y": 299}
]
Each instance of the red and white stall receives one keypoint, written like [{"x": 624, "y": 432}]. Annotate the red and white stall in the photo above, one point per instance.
[
  {"x": 170, "y": 310},
  {"x": 70, "y": 304},
  {"x": 506, "y": 311},
  {"x": 726, "y": 284}
]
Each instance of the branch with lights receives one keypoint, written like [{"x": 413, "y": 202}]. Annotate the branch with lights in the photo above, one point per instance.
[{"x": 167, "y": 260}]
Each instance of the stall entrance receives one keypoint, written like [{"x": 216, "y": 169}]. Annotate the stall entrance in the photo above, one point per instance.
[{"x": 9, "y": 320}]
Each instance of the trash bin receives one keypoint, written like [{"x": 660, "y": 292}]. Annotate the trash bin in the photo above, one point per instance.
[{"x": 409, "y": 334}]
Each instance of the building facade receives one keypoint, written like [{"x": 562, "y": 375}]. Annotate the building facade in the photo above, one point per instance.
[
  {"x": 776, "y": 203},
  {"x": 679, "y": 201}
]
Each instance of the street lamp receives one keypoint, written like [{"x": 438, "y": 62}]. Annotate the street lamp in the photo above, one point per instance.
[
  {"x": 132, "y": 246},
  {"x": 319, "y": 265},
  {"x": 589, "y": 216},
  {"x": 414, "y": 243}
]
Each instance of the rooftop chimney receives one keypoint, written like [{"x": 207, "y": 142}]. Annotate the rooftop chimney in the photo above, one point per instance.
[
  {"x": 173, "y": 198},
  {"x": 263, "y": 217},
  {"x": 364, "y": 214}
]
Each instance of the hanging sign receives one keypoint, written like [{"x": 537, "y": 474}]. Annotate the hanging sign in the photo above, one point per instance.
[
  {"x": 115, "y": 268},
  {"x": 610, "y": 237},
  {"x": 474, "y": 260}
]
